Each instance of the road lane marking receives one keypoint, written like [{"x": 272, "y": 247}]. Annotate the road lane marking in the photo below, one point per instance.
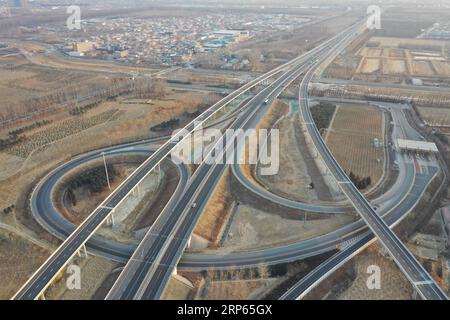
[
  {"x": 105, "y": 207},
  {"x": 420, "y": 283}
]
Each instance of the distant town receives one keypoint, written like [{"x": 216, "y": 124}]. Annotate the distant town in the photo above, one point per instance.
[{"x": 167, "y": 41}]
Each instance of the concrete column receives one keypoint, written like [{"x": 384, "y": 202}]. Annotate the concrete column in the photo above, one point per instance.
[
  {"x": 82, "y": 252},
  {"x": 85, "y": 251},
  {"x": 188, "y": 246},
  {"x": 174, "y": 272},
  {"x": 159, "y": 173},
  {"x": 111, "y": 219}
]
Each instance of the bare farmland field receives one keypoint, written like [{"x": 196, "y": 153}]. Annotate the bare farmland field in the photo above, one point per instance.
[
  {"x": 394, "y": 67},
  {"x": 435, "y": 116},
  {"x": 396, "y": 53},
  {"x": 370, "y": 65},
  {"x": 394, "y": 60},
  {"x": 22, "y": 83},
  {"x": 351, "y": 140},
  {"x": 408, "y": 42},
  {"x": 423, "y": 68},
  {"x": 370, "y": 52}
]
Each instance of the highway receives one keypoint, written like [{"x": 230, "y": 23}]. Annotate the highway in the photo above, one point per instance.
[
  {"x": 392, "y": 206},
  {"x": 41, "y": 279},
  {"x": 312, "y": 279},
  {"x": 146, "y": 274},
  {"x": 404, "y": 203},
  {"x": 146, "y": 291},
  {"x": 273, "y": 255},
  {"x": 401, "y": 129},
  {"x": 414, "y": 271},
  {"x": 257, "y": 189},
  {"x": 45, "y": 213},
  {"x": 49, "y": 270}
]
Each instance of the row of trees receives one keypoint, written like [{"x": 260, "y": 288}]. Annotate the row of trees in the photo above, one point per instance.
[
  {"x": 8, "y": 209},
  {"x": 32, "y": 126},
  {"x": 83, "y": 109},
  {"x": 145, "y": 88},
  {"x": 10, "y": 141},
  {"x": 322, "y": 114},
  {"x": 94, "y": 180},
  {"x": 166, "y": 125},
  {"x": 360, "y": 183},
  {"x": 192, "y": 115},
  {"x": 68, "y": 95}
]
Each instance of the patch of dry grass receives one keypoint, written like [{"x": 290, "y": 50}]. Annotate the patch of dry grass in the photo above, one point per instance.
[
  {"x": 232, "y": 290},
  {"x": 176, "y": 290},
  {"x": 394, "y": 285},
  {"x": 216, "y": 212},
  {"x": 19, "y": 259},
  {"x": 435, "y": 116}
]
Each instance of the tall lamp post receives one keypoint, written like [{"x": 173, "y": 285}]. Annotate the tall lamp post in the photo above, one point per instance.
[{"x": 106, "y": 170}]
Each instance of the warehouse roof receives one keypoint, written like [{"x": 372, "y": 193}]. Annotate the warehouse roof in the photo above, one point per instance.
[{"x": 417, "y": 145}]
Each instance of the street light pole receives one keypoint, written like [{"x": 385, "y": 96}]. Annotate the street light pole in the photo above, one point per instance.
[{"x": 106, "y": 170}]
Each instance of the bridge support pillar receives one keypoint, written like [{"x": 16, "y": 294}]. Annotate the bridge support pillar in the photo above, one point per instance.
[
  {"x": 158, "y": 170},
  {"x": 188, "y": 245},
  {"x": 137, "y": 191},
  {"x": 174, "y": 271},
  {"x": 110, "y": 220},
  {"x": 82, "y": 252},
  {"x": 41, "y": 296}
]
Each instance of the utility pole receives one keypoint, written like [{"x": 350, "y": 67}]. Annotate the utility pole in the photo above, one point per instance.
[{"x": 106, "y": 170}]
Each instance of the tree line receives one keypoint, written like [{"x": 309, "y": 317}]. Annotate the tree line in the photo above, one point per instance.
[
  {"x": 360, "y": 183},
  {"x": 322, "y": 114},
  {"x": 166, "y": 125}
]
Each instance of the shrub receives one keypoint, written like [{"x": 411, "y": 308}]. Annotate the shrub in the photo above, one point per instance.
[{"x": 166, "y": 125}]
